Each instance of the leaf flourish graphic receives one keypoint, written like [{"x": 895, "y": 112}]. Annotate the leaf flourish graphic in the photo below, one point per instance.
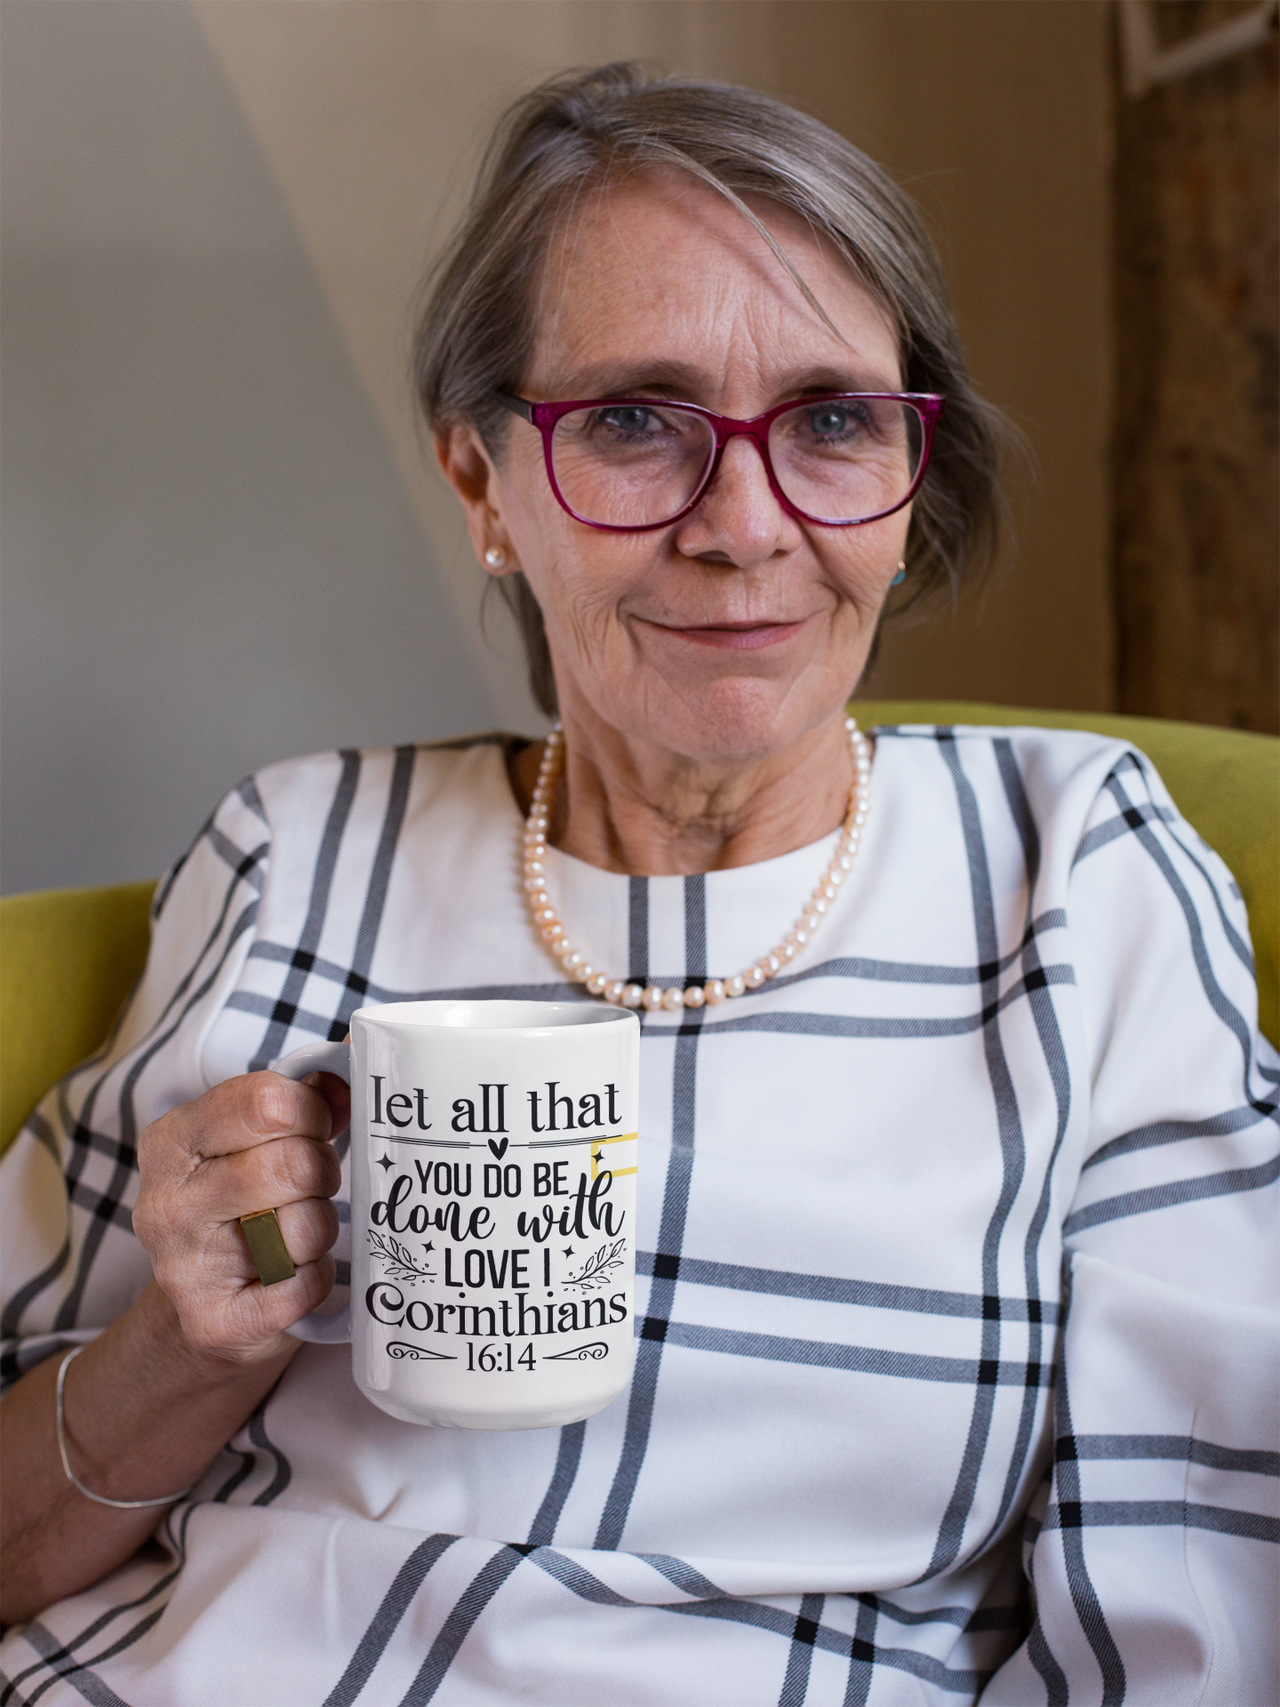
[
  {"x": 398, "y": 1257},
  {"x": 596, "y": 1269}
]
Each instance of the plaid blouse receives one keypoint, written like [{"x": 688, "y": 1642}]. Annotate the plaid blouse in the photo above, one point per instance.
[{"x": 955, "y": 1371}]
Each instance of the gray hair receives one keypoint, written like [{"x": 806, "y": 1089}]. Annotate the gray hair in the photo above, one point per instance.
[{"x": 477, "y": 323}]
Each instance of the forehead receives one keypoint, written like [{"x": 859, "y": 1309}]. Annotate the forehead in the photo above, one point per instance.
[{"x": 661, "y": 270}]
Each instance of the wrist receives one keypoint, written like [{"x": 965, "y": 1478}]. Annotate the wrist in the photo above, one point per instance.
[
  {"x": 81, "y": 1488},
  {"x": 162, "y": 1338},
  {"x": 134, "y": 1379}
]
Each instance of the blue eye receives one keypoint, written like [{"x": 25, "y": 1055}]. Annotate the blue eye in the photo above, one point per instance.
[
  {"x": 629, "y": 420},
  {"x": 828, "y": 422}
]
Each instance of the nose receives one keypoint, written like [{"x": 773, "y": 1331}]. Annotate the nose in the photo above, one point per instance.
[{"x": 738, "y": 519}]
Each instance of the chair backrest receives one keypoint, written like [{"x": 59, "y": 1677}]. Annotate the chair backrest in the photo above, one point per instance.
[
  {"x": 70, "y": 957},
  {"x": 68, "y": 960}
]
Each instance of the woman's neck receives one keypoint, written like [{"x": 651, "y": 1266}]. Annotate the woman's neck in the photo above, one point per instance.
[{"x": 626, "y": 806}]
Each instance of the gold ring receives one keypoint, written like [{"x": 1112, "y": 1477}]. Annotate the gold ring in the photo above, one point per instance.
[{"x": 267, "y": 1247}]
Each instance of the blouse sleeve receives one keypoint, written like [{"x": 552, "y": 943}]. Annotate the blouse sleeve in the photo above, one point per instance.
[
  {"x": 69, "y": 1261},
  {"x": 1151, "y": 1548}
]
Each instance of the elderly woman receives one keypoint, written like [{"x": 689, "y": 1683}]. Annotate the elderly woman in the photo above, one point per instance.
[{"x": 951, "y": 1375}]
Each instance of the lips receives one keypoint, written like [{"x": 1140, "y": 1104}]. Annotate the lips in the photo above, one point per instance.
[{"x": 734, "y": 636}]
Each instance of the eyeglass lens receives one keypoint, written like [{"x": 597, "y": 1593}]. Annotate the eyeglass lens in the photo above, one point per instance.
[{"x": 640, "y": 464}]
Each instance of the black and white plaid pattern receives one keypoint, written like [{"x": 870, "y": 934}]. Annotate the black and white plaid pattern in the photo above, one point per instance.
[{"x": 954, "y": 1372}]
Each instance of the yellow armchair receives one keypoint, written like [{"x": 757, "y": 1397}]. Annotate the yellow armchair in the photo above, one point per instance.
[
  {"x": 68, "y": 961},
  {"x": 70, "y": 957}
]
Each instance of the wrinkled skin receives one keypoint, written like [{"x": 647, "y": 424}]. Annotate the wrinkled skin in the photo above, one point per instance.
[
  {"x": 254, "y": 1142},
  {"x": 702, "y": 668}
]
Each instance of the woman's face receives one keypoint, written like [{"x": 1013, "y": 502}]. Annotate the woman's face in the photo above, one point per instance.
[{"x": 730, "y": 633}]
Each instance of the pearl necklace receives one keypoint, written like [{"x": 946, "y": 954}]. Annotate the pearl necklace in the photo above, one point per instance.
[{"x": 576, "y": 965}]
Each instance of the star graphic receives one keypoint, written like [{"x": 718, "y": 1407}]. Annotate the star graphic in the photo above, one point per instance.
[
  {"x": 598, "y": 1157},
  {"x": 385, "y": 1162},
  {"x": 568, "y": 1250},
  {"x": 427, "y": 1249}
]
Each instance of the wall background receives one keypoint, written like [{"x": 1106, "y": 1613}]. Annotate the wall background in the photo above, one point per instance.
[
  {"x": 222, "y": 541},
  {"x": 996, "y": 112},
  {"x": 209, "y": 560}
]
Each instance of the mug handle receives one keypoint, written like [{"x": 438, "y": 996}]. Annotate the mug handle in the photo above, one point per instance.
[{"x": 317, "y": 1329}]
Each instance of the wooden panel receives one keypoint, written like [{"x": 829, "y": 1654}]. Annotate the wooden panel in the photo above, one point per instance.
[{"x": 1196, "y": 526}]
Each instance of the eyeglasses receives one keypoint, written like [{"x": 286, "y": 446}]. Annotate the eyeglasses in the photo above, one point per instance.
[{"x": 626, "y": 464}]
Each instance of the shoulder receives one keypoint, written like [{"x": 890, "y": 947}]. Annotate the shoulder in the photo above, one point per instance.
[
  {"x": 1065, "y": 750},
  {"x": 320, "y": 792},
  {"x": 1056, "y": 776},
  {"x": 293, "y": 817},
  {"x": 1061, "y": 796},
  {"x": 460, "y": 759}
]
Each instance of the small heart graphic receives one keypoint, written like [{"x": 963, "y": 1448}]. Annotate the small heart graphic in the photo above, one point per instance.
[{"x": 499, "y": 1147}]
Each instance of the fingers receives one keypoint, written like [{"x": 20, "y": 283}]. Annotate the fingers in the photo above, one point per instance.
[
  {"x": 337, "y": 1093},
  {"x": 206, "y": 1164},
  {"x": 245, "y": 1323},
  {"x": 309, "y": 1230},
  {"x": 278, "y": 1173},
  {"x": 250, "y": 1143},
  {"x": 294, "y": 1176},
  {"x": 190, "y": 1252},
  {"x": 253, "y": 1143},
  {"x": 221, "y": 1302},
  {"x": 285, "y": 1171},
  {"x": 240, "y": 1114}
]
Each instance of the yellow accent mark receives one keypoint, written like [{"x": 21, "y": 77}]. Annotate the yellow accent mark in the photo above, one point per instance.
[{"x": 618, "y": 1138}]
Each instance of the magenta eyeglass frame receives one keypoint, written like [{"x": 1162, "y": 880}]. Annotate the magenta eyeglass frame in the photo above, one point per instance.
[{"x": 544, "y": 417}]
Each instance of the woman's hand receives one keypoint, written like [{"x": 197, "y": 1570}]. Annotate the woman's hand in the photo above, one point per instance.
[
  {"x": 152, "y": 1400},
  {"x": 251, "y": 1143}
]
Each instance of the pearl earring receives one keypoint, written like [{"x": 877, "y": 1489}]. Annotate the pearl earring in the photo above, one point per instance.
[
  {"x": 901, "y": 575},
  {"x": 496, "y": 557}
]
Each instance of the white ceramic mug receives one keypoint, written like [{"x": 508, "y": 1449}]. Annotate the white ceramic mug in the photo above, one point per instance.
[{"x": 493, "y": 1180}]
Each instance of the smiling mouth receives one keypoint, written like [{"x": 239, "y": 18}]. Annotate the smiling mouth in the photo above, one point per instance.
[{"x": 734, "y": 636}]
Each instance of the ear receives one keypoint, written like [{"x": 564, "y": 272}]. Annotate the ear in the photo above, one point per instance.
[{"x": 469, "y": 469}]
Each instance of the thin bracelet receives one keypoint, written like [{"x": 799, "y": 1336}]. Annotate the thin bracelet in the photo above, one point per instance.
[{"x": 76, "y": 1483}]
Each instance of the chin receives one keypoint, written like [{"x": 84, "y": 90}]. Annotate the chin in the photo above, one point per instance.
[{"x": 735, "y": 719}]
